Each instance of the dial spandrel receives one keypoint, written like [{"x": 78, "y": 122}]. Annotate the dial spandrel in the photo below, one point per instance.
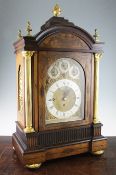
[{"x": 65, "y": 91}]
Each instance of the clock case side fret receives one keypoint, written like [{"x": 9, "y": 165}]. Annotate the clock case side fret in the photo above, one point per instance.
[
  {"x": 20, "y": 89},
  {"x": 73, "y": 139}
]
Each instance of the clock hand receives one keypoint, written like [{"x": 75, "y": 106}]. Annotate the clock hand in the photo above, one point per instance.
[
  {"x": 53, "y": 99},
  {"x": 65, "y": 95}
]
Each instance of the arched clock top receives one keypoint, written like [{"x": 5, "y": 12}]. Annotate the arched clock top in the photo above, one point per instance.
[
  {"x": 63, "y": 39},
  {"x": 56, "y": 25},
  {"x": 56, "y": 32}
]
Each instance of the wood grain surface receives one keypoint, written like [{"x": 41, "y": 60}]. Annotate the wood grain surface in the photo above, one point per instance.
[{"x": 84, "y": 164}]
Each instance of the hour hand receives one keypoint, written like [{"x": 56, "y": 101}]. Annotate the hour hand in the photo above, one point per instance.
[{"x": 53, "y": 99}]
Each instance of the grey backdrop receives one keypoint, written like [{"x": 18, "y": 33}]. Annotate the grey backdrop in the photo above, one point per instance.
[{"x": 88, "y": 14}]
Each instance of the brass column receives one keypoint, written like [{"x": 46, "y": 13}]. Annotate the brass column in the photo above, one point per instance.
[
  {"x": 97, "y": 57},
  {"x": 28, "y": 91}
]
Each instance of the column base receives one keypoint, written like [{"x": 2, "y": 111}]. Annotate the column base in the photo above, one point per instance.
[
  {"x": 29, "y": 130},
  {"x": 96, "y": 121}
]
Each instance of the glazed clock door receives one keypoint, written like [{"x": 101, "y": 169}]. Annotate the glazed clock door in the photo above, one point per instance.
[{"x": 62, "y": 90}]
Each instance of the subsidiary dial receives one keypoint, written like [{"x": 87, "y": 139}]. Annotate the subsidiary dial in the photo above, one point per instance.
[
  {"x": 64, "y": 65},
  {"x": 74, "y": 72},
  {"x": 53, "y": 72}
]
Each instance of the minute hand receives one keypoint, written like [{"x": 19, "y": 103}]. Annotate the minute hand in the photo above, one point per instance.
[{"x": 66, "y": 94}]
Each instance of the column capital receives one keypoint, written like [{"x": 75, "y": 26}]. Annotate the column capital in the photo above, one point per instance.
[
  {"x": 27, "y": 54},
  {"x": 98, "y": 56}
]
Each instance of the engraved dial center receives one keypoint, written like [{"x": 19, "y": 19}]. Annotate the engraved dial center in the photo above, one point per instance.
[{"x": 65, "y": 98}]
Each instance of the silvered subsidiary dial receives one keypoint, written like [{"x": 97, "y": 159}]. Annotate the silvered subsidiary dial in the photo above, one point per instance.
[{"x": 63, "y": 98}]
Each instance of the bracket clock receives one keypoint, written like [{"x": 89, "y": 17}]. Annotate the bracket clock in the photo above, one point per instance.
[{"x": 57, "y": 74}]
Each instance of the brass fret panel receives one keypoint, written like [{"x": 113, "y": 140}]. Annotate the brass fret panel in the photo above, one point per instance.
[{"x": 20, "y": 89}]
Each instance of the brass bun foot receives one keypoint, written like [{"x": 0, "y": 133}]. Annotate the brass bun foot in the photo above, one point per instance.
[
  {"x": 98, "y": 153},
  {"x": 33, "y": 166},
  {"x": 13, "y": 148}
]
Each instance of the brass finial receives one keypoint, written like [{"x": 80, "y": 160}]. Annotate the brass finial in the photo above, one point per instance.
[
  {"x": 19, "y": 34},
  {"x": 29, "y": 29},
  {"x": 96, "y": 35},
  {"x": 56, "y": 10}
]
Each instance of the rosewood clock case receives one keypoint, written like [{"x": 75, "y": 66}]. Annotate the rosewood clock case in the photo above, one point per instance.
[{"x": 36, "y": 141}]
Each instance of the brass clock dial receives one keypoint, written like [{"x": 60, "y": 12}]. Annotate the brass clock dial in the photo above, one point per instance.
[
  {"x": 64, "y": 92},
  {"x": 63, "y": 98}
]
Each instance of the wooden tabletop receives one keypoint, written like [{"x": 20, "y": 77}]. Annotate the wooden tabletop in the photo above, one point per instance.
[{"x": 84, "y": 164}]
